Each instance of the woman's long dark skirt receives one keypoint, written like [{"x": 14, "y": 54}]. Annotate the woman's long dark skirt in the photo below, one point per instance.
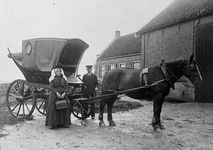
[{"x": 55, "y": 117}]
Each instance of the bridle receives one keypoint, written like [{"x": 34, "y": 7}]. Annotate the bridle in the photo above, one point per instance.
[
  {"x": 184, "y": 83},
  {"x": 195, "y": 74}
]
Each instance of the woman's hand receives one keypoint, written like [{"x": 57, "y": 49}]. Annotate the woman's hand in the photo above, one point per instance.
[
  {"x": 58, "y": 94},
  {"x": 62, "y": 96}
]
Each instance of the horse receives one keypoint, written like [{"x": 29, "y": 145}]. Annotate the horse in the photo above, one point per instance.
[{"x": 162, "y": 77}]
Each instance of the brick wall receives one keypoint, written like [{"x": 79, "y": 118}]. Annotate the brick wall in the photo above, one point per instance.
[{"x": 171, "y": 43}]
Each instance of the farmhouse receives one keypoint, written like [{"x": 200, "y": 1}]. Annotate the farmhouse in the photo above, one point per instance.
[
  {"x": 123, "y": 51},
  {"x": 185, "y": 27}
]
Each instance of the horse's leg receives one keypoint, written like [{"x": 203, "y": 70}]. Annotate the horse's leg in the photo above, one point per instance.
[
  {"x": 157, "y": 106},
  {"x": 100, "y": 117},
  {"x": 109, "y": 112}
]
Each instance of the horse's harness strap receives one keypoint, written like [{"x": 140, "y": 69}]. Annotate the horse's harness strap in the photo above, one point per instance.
[
  {"x": 144, "y": 73},
  {"x": 165, "y": 74}
]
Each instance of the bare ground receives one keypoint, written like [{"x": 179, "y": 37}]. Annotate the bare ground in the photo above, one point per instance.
[{"x": 189, "y": 126}]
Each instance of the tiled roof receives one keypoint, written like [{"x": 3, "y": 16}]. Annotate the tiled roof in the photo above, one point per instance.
[
  {"x": 178, "y": 11},
  {"x": 122, "y": 46}
]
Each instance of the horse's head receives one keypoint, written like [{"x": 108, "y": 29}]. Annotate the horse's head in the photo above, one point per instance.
[{"x": 191, "y": 71}]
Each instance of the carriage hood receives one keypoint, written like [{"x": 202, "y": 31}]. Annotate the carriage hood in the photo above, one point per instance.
[{"x": 42, "y": 54}]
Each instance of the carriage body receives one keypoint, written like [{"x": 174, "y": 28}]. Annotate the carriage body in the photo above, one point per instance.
[
  {"x": 40, "y": 55},
  {"x": 36, "y": 61}
]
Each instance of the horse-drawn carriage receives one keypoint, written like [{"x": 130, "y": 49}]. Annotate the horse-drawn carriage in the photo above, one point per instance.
[
  {"x": 36, "y": 61},
  {"x": 40, "y": 55}
]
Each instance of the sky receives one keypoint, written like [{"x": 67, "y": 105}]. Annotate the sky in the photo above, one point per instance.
[{"x": 93, "y": 21}]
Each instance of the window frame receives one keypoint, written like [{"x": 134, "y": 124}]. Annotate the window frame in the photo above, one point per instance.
[
  {"x": 110, "y": 66},
  {"x": 122, "y": 64},
  {"x": 139, "y": 62},
  {"x": 102, "y": 71}
]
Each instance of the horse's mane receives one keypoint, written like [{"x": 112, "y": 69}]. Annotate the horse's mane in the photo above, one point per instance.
[{"x": 177, "y": 64}]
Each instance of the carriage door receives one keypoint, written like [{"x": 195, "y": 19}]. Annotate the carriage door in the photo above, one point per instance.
[{"x": 204, "y": 57}]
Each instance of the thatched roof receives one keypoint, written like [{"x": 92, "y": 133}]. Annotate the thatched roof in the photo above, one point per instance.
[{"x": 179, "y": 11}]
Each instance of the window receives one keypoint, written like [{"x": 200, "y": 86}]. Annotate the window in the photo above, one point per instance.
[
  {"x": 136, "y": 65},
  {"x": 111, "y": 66},
  {"x": 122, "y": 65},
  {"x": 102, "y": 71}
]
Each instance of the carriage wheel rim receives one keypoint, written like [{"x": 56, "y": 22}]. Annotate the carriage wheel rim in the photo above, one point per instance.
[
  {"x": 16, "y": 94},
  {"x": 41, "y": 107}
]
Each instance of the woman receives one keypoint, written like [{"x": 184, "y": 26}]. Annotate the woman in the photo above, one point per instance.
[{"x": 58, "y": 90}]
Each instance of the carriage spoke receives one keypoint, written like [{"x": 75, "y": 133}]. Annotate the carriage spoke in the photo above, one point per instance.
[
  {"x": 41, "y": 104},
  {"x": 77, "y": 112},
  {"x": 26, "y": 88},
  {"x": 15, "y": 107},
  {"x": 22, "y": 89},
  {"x": 18, "y": 110},
  {"x": 16, "y": 89},
  {"x": 23, "y": 109},
  {"x": 16, "y": 96},
  {"x": 18, "y": 86},
  {"x": 27, "y": 107},
  {"x": 28, "y": 97}
]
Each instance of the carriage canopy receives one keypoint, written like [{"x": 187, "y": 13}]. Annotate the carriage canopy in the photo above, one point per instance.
[{"x": 42, "y": 54}]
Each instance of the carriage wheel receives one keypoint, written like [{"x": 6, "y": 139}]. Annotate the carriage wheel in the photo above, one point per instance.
[
  {"x": 81, "y": 109},
  {"x": 20, "y": 99},
  {"x": 42, "y": 100},
  {"x": 41, "y": 105}
]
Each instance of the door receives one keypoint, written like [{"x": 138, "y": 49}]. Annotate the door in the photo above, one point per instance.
[{"x": 204, "y": 57}]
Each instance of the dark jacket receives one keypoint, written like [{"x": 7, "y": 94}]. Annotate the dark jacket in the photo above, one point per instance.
[{"x": 90, "y": 81}]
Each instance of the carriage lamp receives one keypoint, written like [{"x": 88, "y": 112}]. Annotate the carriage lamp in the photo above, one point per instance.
[{"x": 28, "y": 48}]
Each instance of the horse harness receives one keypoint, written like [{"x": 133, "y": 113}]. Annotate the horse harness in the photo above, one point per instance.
[{"x": 144, "y": 75}]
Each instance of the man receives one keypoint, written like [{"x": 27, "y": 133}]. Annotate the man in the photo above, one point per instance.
[{"x": 91, "y": 83}]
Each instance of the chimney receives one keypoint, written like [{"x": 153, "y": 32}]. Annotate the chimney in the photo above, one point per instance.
[{"x": 117, "y": 34}]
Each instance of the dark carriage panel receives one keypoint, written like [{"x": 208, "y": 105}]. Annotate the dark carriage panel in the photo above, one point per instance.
[{"x": 204, "y": 57}]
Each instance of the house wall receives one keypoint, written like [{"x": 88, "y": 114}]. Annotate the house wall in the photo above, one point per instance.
[
  {"x": 172, "y": 43},
  {"x": 127, "y": 60}
]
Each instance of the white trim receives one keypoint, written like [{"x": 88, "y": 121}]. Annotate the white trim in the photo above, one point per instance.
[
  {"x": 101, "y": 74},
  {"x": 114, "y": 66},
  {"x": 122, "y": 64}
]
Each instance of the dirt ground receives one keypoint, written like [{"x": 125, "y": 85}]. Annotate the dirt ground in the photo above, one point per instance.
[{"x": 189, "y": 126}]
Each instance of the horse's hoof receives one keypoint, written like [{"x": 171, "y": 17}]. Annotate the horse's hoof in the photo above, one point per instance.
[
  {"x": 102, "y": 124},
  {"x": 157, "y": 128},
  {"x": 161, "y": 127},
  {"x": 112, "y": 123}
]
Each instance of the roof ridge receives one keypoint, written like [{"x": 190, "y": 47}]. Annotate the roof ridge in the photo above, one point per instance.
[
  {"x": 178, "y": 11},
  {"x": 123, "y": 45}
]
